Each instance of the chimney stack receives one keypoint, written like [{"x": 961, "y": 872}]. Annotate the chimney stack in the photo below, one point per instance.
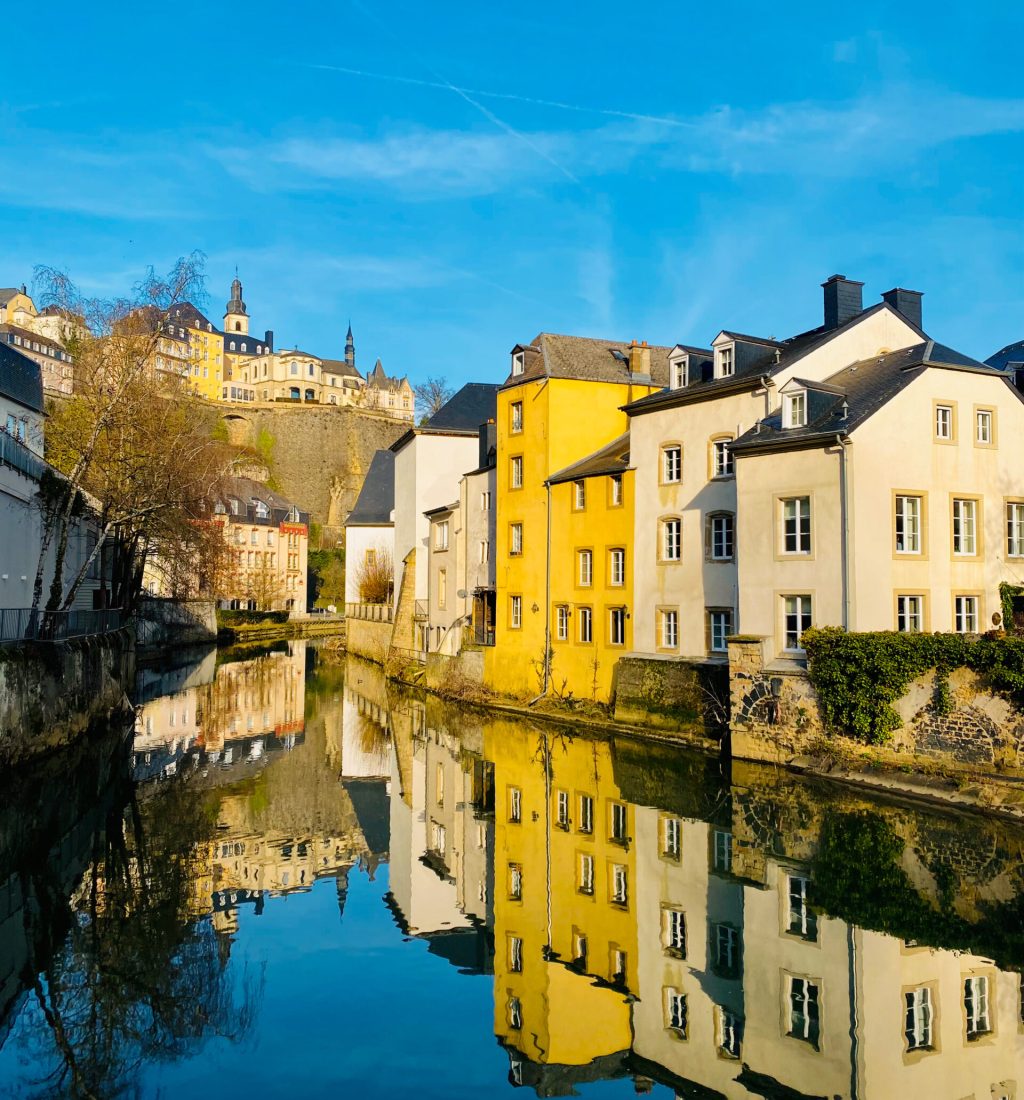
[
  {"x": 843, "y": 300},
  {"x": 488, "y": 439},
  {"x": 907, "y": 302},
  {"x": 640, "y": 358}
]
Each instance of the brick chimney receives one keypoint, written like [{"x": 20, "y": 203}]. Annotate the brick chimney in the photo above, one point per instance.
[
  {"x": 843, "y": 300},
  {"x": 907, "y": 302},
  {"x": 640, "y": 358}
]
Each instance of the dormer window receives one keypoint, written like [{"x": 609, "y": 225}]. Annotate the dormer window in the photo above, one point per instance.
[
  {"x": 678, "y": 371},
  {"x": 725, "y": 363},
  {"x": 236, "y": 506},
  {"x": 794, "y": 409},
  {"x": 262, "y": 511},
  {"x": 518, "y": 363}
]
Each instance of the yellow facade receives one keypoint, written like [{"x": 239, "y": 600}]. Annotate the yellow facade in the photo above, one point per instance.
[
  {"x": 560, "y": 421},
  {"x": 206, "y": 361},
  {"x": 557, "y": 926}
]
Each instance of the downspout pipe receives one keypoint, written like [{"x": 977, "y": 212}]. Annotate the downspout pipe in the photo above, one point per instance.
[
  {"x": 547, "y": 604},
  {"x": 844, "y": 522}
]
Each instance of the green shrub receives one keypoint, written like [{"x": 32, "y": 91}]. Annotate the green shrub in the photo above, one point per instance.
[
  {"x": 250, "y": 618},
  {"x": 858, "y": 677}
]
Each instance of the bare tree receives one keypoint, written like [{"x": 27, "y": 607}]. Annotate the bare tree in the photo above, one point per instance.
[
  {"x": 431, "y": 396},
  {"x": 376, "y": 577}
]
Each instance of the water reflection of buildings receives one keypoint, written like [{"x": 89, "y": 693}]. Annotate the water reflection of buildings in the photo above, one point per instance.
[{"x": 245, "y": 711}]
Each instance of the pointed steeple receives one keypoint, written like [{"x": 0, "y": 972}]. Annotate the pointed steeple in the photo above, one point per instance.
[
  {"x": 350, "y": 347},
  {"x": 236, "y": 319}
]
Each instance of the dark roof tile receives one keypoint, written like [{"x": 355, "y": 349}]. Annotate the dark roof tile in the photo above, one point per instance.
[
  {"x": 21, "y": 379},
  {"x": 376, "y": 500}
]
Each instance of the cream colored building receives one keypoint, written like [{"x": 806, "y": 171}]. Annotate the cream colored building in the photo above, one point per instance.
[
  {"x": 693, "y": 546},
  {"x": 39, "y": 334}
]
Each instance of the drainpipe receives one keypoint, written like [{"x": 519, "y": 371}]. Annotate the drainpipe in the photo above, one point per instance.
[
  {"x": 547, "y": 606},
  {"x": 844, "y": 520}
]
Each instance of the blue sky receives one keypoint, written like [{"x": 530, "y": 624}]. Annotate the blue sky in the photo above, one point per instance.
[{"x": 658, "y": 172}]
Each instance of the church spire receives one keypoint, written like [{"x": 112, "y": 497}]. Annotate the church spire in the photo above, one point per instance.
[
  {"x": 236, "y": 319},
  {"x": 350, "y": 347}
]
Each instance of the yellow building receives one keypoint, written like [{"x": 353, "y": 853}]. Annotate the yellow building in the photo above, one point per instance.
[
  {"x": 561, "y": 402},
  {"x": 564, "y": 912}
]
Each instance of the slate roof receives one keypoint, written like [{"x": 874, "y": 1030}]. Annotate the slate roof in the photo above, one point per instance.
[
  {"x": 376, "y": 500},
  {"x": 553, "y": 356},
  {"x": 778, "y": 355},
  {"x": 246, "y": 490},
  {"x": 7, "y": 293},
  {"x": 612, "y": 458},
  {"x": 339, "y": 366},
  {"x": 474, "y": 404},
  {"x": 47, "y": 345},
  {"x": 1012, "y": 353},
  {"x": 864, "y": 387},
  {"x": 21, "y": 379}
]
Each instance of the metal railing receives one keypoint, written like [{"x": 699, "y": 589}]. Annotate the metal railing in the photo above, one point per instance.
[
  {"x": 15, "y": 454},
  {"x": 420, "y": 610},
  {"x": 23, "y": 624},
  {"x": 371, "y": 612}
]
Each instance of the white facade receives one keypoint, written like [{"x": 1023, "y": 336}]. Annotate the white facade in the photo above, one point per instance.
[
  {"x": 699, "y": 582},
  {"x": 359, "y": 540}
]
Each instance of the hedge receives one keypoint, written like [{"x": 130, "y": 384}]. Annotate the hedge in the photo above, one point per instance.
[
  {"x": 858, "y": 677},
  {"x": 244, "y": 618}
]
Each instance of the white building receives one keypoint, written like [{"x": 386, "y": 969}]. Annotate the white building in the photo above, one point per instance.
[{"x": 370, "y": 526}]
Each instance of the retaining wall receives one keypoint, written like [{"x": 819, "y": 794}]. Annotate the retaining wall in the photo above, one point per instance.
[
  {"x": 369, "y": 639},
  {"x": 667, "y": 693}
]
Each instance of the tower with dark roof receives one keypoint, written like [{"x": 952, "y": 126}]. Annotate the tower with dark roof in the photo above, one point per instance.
[
  {"x": 350, "y": 347},
  {"x": 236, "y": 319}
]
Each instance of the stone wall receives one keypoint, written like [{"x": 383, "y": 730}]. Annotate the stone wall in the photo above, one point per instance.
[
  {"x": 442, "y": 668},
  {"x": 317, "y": 455},
  {"x": 165, "y": 622},
  {"x": 775, "y": 717},
  {"x": 368, "y": 639},
  {"x": 669, "y": 694}
]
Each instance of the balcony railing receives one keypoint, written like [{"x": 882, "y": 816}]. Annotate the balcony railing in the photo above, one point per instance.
[
  {"x": 420, "y": 610},
  {"x": 23, "y": 624},
  {"x": 15, "y": 454},
  {"x": 371, "y": 612}
]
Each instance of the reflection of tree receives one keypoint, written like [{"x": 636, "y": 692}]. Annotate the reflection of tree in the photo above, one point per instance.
[{"x": 138, "y": 978}]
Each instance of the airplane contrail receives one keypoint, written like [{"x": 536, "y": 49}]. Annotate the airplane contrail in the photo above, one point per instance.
[{"x": 465, "y": 92}]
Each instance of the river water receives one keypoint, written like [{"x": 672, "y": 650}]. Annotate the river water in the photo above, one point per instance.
[{"x": 291, "y": 879}]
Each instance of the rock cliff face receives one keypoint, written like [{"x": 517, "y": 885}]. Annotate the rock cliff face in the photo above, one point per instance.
[{"x": 317, "y": 456}]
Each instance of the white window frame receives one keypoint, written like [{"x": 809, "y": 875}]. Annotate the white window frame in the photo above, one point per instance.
[
  {"x": 977, "y": 1010},
  {"x": 794, "y": 409},
  {"x": 909, "y": 523},
  {"x": 796, "y": 526},
  {"x": 671, "y": 837},
  {"x": 680, "y": 368},
  {"x": 965, "y": 527},
  {"x": 800, "y": 606},
  {"x": 618, "y": 822},
  {"x": 723, "y": 536},
  {"x": 515, "y": 540},
  {"x": 676, "y": 1016},
  {"x": 725, "y": 361},
  {"x": 966, "y": 614},
  {"x": 586, "y": 824},
  {"x": 983, "y": 420},
  {"x": 585, "y": 568},
  {"x": 515, "y": 612},
  {"x": 516, "y": 417},
  {"x": 579, "y": 495},
  {"x": 617, "y": 567},
  {"x": 562, "y": 622},
  {"x": 441, "y": 535},
  {"x": 803, "y": 995},
  {"x": 620, "y": 884},
  {"x": 801, "y": 918},
  {"x": 586, "y": 873},
  {"x": 518, "y": 363},
  {"x": 944, "y": 422},
  {"x": 719, "y": 629},
  {"x": 516, "y": 472},
  {"x": 669, "y": 627},
  {"x": 1014, "y": 529},
  {"x": 910, "y": 613},
  {"x": 562, "y": 809},
  {"x": 918, "y": 1018},
  {"x": 585, "y": 625},
  {"x": 673, "y": 931},
  {"x": 616, "y": 626},
  {"x": 722, "y": 851},
  {"x": 616, "y": 493},
  {"x": 515, "y": 805},
  {"x": 671, "y": 464},
  {"x": 672, "y": 539}
]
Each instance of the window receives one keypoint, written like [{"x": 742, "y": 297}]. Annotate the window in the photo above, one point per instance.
[
  {"x": 515, "y": 882},
  {"x": 721, "y": 528},
  {"x": 617, "y": 626},
  {"x": 515, "y": 539},
  {"x": 797, "y": 613},
  {"x": 439, "y": 784},
  {"x": 917, "y": 1026},
  {"x": 254, "y": 537},
  {"x": 669, "y": 631},
  {"x": 438, "y": 838},
  {"x": 579, "y": 495},
  {"x": 515, "y": 612},
  {"x": 516, "y": 472},
  {"x": 910, "y": 614},
  {"x": 675, "y": 1012},
  {"x": 802, "y": 920},
  {"x": 1015, "y": 530},
  {"x": 944, "y": 422},
  {"x": 620, "y": 885},
  {"x": 515, "y": 1014},
  {"x": 721, "y": 458},
  {"x": 671, "y": 464},
  {"x": 671, "y": 837},
  {"x": 965, "y": 614},
  {"x": 721, "y": 851},
  {"x": 796, "y": 525},
  {"x": 515, "y": 954},
  {"x": 726, "y": 941},
  {"x": 804, "y": 1019},
  {"x": 729, "y": 1033},
  {"x": 562, "y": 809},
  {"x": 585, "y": 619},
  {"x": 794, "y": 409},
  {"x": 518, "y": 363},
  {"x": 678, "y": 371},
  {"x": 517, "y": 416},
  {"x": 617, "y": 959},
  {"x": 617, "y": 821},
  {"x": 485, "y": 500},
  {"x": 983, "y": 434},
  {"x": 616, "y": 568},
  {"x": 441, "y": 536},
  {"x": 579, "y": 951},
  {"x": 671, "y": 539},
  {"x": 719, "y": 629},
  {"x": 976, "y": 1007},
  {"x": 442, "y": 588},
  {"x": 586, "y": 872},
  {"x": 725, "y": 360},
  {"x": 584, "y": 568},
  {"x": 586, "y": 824},
  {"x": 909, "y": 511},
  {"x": 615, "y": 498},
  {"x": 515, "y": 805},
  {"x": 965, "y": 527},
  {"x": 485, "y": 551},
  {"x": 673, "y": 927},
  {"x": 562, "y": 622}
]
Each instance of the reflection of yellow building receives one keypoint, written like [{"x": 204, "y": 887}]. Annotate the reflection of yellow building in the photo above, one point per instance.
[
  {"x": 564, "y": 912},
  {"x": 561, "y": 401}
]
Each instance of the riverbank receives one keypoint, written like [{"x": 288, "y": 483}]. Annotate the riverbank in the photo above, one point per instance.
[{"x": 313, "y": 626}]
